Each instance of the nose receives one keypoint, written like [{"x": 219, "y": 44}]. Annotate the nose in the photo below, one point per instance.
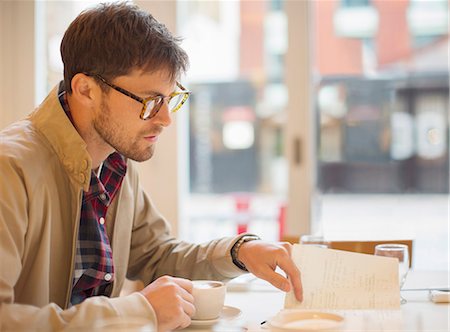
[{"x": 163, "y": 117}]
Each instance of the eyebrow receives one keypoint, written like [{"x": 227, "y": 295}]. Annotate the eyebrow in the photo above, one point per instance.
[
  {"x": 151, "y": 93},
  {"x": 156, "y": 93}
]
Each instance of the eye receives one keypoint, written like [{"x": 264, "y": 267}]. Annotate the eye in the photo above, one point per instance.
[{"x": 149, "y": 106}]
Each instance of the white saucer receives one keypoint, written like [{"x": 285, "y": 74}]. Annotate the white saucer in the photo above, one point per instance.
[
  {"x": 297, "y": 320},
  {"x": 227, "y": 313}
]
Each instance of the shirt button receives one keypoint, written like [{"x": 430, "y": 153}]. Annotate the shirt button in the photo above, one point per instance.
[
  {"x": 102, "y": 197},
  {"x": 108, "y": 277},
  {"x": 102, "y": 220}
]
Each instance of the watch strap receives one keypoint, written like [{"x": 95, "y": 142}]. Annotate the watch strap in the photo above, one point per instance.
[{"x": 237, "y": 246}]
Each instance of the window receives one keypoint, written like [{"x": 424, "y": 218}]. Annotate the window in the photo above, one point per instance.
[
  {"x": 382, "y": 106},
  {"x": 238, "y": 174}
]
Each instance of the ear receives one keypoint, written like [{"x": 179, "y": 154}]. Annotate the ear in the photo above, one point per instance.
[{"x": 84, "y": 89}]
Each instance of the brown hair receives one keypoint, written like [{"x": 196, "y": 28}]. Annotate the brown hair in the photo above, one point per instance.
[{"x": 113, "y": 39}]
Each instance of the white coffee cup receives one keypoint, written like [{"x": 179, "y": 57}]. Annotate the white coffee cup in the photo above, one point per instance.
[{"x": 209, "y": 297}]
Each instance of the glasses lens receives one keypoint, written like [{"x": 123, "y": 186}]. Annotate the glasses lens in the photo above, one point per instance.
[
  {"x": 150, "y": 107},
  {"x": 175, "y": 101}
]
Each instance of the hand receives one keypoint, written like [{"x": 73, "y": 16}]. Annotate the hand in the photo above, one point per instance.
[
  {"x": 262, "y": 258},
  {"x": 172, "y": 300}
]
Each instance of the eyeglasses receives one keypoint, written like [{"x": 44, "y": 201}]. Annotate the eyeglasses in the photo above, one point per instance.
[{"x": 152, "y": 105}]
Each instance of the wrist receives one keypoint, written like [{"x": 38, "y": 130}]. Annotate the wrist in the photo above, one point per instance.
[{"x": 236, "y": 248}]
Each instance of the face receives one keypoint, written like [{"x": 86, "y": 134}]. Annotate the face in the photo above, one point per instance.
[{"x": 116, "y": 119}]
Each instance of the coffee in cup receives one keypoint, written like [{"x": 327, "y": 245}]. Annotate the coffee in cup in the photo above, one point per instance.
[{"x": 209, "y": 298}]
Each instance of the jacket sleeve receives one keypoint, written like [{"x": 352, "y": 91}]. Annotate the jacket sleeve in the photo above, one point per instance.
[
  {"x": 14, "y": 230},
  {"x": 154, "y": 252},
  {"x": 82, "y": 317}
]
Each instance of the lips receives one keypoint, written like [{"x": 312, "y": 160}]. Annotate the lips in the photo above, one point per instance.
[{"x": 153, "y": 137}]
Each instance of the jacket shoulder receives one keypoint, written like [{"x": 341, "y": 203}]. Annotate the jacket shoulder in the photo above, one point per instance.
[{"x": 21, "y": 139}]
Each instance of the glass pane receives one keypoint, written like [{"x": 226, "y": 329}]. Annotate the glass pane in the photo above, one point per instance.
[
  {"x": 382, "y": 108},
  {"x": 237, "y": 171}
]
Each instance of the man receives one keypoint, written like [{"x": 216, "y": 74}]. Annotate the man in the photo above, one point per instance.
[{"x": 74, "y": 221}]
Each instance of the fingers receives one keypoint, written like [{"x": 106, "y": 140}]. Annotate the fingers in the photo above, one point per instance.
[
  {"x": 185, "y": 321},
  {"x": 185, "y": 292},
  {"x": 185, "y": 289},
  {"x": 187, "y": 303},
  {"x": 184, "y": 283},
  {"x": 188, "y": 308},
  {"x": 172, "y": 302},
  {"x": 293, "y": 273},
  {"x": 185, "y": 295},
  {"x": 275, "y": 279},
  {"x": 281, "y": 256},
  {"x": 287, "y": 246}
]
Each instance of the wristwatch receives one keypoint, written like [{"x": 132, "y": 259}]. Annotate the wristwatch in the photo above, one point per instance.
[{"x": 237, "y": 246}]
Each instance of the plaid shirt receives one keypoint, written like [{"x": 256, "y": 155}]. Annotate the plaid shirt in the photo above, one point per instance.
[{"x": 94, "y": 268}]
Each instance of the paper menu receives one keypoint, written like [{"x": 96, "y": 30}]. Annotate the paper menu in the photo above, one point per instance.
[{"x": 334, "y": 279}]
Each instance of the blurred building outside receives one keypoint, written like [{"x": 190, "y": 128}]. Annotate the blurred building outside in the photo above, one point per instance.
[{"x": 380, "y": 73}]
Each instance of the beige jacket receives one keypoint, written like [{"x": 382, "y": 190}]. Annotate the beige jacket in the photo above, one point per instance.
[{"x": 44, "y": 168}]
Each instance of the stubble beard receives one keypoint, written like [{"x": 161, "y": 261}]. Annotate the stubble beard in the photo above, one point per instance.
[{"x": 120, "y": 138}]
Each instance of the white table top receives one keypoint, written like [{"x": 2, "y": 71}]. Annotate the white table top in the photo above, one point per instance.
[{"x": 259, "y": 301}]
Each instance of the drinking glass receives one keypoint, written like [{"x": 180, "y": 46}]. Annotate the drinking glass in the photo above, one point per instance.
[
  {"x": 314, "y": 240},
  {"x": 399, "y": 251}
]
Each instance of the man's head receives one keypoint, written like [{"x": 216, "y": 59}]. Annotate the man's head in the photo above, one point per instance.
[
  {"x": 113, "y": 39},
  {"x": 120, "y": 70}
]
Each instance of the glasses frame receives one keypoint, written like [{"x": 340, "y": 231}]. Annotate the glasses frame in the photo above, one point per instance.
[{"x": 159, "y": 99}]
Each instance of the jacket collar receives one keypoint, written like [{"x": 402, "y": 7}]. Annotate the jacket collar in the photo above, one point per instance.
[{"x": 51, "y": 120}]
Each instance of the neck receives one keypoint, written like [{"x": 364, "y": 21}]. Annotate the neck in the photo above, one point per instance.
[{"x": 97, "y": 148}]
